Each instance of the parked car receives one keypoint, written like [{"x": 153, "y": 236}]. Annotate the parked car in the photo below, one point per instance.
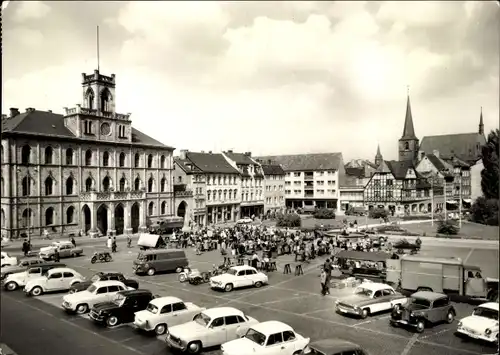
[
  {"x": 424, "y": 308},
  {"x": 239, "y": 276},
  {"x": 122, "y": 308},
  {"x": 65, "y": 249},
  {"x": 23, "y": 265},
  {"x": 104, "y": 276},
  {"x": 482, "y": 324},
  {"x": 244, "y": 220},
  {"x": 164, "y": 312},
  {"x": 369, "y": 298},
  {"x": 20, "y": 279},
  {"x": 267, "y": 338},
  {"x": 333, "y": 347},
  {"x": 98, "y": 292},
  {"x": 8, "y": 260},
  {"x": 57, "y": 279},
  {"x": 212, "y": 327}
]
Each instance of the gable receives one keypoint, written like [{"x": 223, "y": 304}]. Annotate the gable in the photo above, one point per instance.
[{"x": 410, "y": 174}]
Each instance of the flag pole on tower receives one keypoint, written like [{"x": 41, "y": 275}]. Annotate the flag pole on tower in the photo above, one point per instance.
[{"x": 98, "y": 48}]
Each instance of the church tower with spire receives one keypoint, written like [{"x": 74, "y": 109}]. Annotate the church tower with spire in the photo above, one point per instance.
[
  {"x": 481, "y": 124},
  {"x": 378, "y": 157},
  {"x": 408, "y": 143}
]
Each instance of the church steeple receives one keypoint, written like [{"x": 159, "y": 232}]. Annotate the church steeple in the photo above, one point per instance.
[
  {"x": 378, "y": 157},
  {"x": 408, "y": 143},
  {"x": 481, "y": 124}
]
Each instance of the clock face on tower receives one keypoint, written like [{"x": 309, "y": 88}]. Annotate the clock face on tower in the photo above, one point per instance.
[{"x": 105, "y": 129}]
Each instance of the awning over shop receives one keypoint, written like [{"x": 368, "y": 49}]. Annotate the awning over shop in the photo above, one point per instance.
[
  {"x": 467, "y": 200},
  {"x": 451, "y": 202},
  {"x": 149, "y": 240}
]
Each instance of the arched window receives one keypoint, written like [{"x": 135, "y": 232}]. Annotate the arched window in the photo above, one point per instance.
[
  {"x": 70, "y": 215},
  {"x": 163, "y": 185},
  {"x": 137, "y": 184},
  {"x": 90, "y": 99},
  {"x": 27, "y": 217},
  {"x": 225, "y": 195},
  {"x": 106, "y": 183},
  {"x": 88, "y": 184},
  {"x": 49, "y": 155},
  {"x": 151, "y": 208},
  {"x": 137, "y": 160},
  {"x": 49, "y": 186},
  {"x": 235, "y": 194},
  {"x": 162, "y": 162},
  {"x": 229, "y": 194},
  {"x": 122, "y": 184},
  {"x": 105, "y": 159},
  {"x": 88, "y": 157},
  {"x": 69, "y": 186},
  {"x": 26, "y": 155},
  {"x": 150, "y": 160},
  {"x": 122, "y": 160},
  {"x": 407, "y": 146},
  {"x": 150, "y": 184},
  {"x": 105, "y": 101},
  {"x": 49, "y": 216},
  {"x": 209, "y": 194},
  {"x": 69, "y": 156},
  {"x": 220, "y": 195},
  {"x": 26, "y": 186},
  {"x": 163, "y": 207}
]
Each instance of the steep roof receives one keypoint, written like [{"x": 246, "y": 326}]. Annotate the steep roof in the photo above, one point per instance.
[
  {"x": 408, "y": 130},
  {"x": 462, "y": 145},
  {"x": 355, "y": 172},
  {"x": 438, "y": 163},
  {"x": 239, "y": 158},
  {"x": 52, "y": 125},
  {"x": 186, "y": 165},
  {"x": 308, "y": 162},
  {"x": 272, "y": 169},
  {"x": 400, "y": 168},
  {"x": 211, "y": 163}
]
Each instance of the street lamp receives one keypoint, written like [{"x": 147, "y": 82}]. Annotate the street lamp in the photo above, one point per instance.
[{"x": 29, "y": 213}]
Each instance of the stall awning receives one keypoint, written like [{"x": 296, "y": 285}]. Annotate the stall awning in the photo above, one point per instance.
[
  {"x": 451, "y": 202},
  {"x": 148, "y": 240},
  {"x": 467, "y": 200},
  {"x": 363, "y": 256}
]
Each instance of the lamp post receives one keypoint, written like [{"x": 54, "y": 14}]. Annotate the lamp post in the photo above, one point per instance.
[
  {"x": 29, "y": 213},
  {"x": 460, "y": 200}
]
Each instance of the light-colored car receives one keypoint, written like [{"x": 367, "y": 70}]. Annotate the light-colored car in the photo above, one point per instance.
[
  {"x": 165, "y": 312},
  {"x": 8, "y": 260},
  {"x": 98, "y": 292},
  {"x": 482, "y": 324},
  {"x": 369, "y": 298},
  {"x": 212, "y": 327},
  {"x": 239, "y": 276},
  {"x": 244, "y": 220},
  {"x": 65, "y": 249},
  {"x": 16, "y": 280},
  {"x": 23, "y": 265},
  {"x": 267, "y": 338},
  {"x": 57, "y": 279}
]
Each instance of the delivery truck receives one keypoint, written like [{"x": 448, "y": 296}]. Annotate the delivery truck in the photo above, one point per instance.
[{"x": 444, "y": 275}]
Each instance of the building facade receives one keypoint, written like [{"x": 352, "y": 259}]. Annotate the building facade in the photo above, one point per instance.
[
  {"x": 274, "y": 188},
  {"x": 311, "y": 180},
  {"x": 88, "y": 171},
  {"x": 475, "y": 180},
  {"x": 352, "y": 193}
]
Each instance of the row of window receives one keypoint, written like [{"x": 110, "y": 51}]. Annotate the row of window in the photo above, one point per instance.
[
  {"x": 89, "y": 158},
  {"x": 221, "y": 180},
  {"x": 247, "y": 182},
  {"x": 311, "y": 174},
  {"x": 318, "y": 191},
  {"x": 222, "y": 195},
  {"x": 274, "y": 188},
  {"x": 275, "y": 199}
]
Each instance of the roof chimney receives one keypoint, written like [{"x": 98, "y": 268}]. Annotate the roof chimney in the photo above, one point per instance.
[
  {"x": 49, "y": 111},
  {"x": 209, "y": 152},
  {"x": 230, "y": 151},
  {"x": 248, "y": 154},
  {"x": 14, "y": 112},
  {"x": 4, "y": 117},
  {"x": 30, "y": 109},
  {"x": 182, "y": 154},
  {"x": 202, "y": 151},
  {"x": 436, "y": 152}
]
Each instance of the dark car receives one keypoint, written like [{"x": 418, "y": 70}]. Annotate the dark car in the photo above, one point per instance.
[
  {"x": 122, "y": 309},
  {"x": 424, "y": 308},
  {"x": 334, "y": 347},
  {"x": 104, "y": 276}
]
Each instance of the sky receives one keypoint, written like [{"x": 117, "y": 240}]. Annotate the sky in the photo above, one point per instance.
[{"x": 267, "y": 77}]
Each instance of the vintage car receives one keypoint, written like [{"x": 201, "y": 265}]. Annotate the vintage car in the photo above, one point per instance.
[
  {"x": 13, "y": 281},
  {"x": 8, "y": 260},
  {"x": 369, "y": 298},
  {"x": 104, "y": 276},
  {"x": 65, "y": 249},
  {"x": 267, "y": 338},
  {"x": 57, "y": 279},
  {"x": 244, "y": 220},
  {"x": 238, "y": 276},
  {"x": 424, "y": 308},
  {"x": 23, "y": 265},
  {"x": 98, "y": 292},
  {"x": 482, "y": 324},
  {"x": 122, "y": 308},
  {"x": 212, "y": 327},
  {"x": 164, "y": 312},
  {"x": 333, "y": 347}
]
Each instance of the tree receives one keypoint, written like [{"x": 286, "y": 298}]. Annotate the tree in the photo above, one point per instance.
[
  {"x": 490, "y": 173},
  {"x": 447, "y": 227},
  {"x": 377, "y": 213},
  {"x": 324, "y": 213},
  {"x": 485, "y": 211}
]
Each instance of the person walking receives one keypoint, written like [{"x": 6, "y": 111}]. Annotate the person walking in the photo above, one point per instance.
[
  {"x": 113, "y": 246},
  {"x": 129, "y": 241},
  {"x": 26, "y": 248},
  {"x": 322, "y": 277},
  {"x": 57, "y": 257},
  {"x": 73, "y": 242}
]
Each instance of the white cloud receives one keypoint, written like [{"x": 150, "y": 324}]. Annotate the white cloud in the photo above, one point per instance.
[
  {"x": 27, "y": 10},
  {"x": 420, "y": 13},
  {"x": 25, "y": 37}
]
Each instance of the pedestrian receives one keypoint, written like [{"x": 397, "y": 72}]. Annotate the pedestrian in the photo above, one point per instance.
[
  {"x": 113, "y": 246},
  {"x": 57, "y": 257},
  {"x": 73, "y": 242},
  {"x": 109, "y": 243},
  {"x": 129, "y": 241},
  {"x": 26, "y": 248},
  {"x": 323, "y": 280}
]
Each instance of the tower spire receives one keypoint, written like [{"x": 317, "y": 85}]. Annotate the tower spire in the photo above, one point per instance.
[
  {"x": 378, "y": 156},
  {"x": 408, "y": 130},
  {"x": 481, "y": 124}
]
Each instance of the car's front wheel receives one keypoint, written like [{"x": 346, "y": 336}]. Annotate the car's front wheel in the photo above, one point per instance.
[
  {"x": 420, "y": 326},
  {"x": 194, "y": 347},
  {"x": 112, "y": 321},
  {"x": 82, "y": 308},
  {"x": 450, "y": 317},
  {"x": 160, "y": 329},
  {"x": 36, "y": 291},
  {"x": 11, "y": 286},
  {"x": 228, "y": 287},
  {"x": 365, "y": 313},
  {"x": 151, "y": 272},
  {"x": 258, "y": 284}
]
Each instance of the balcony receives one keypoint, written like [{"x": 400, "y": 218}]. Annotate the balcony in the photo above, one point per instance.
[
  {"x": 186, "y": 193},
  {"x": 309, "y": 187},
  {"x": 180, "y": 187},
  {"x": 308, "y": 176},
  {"x": 112, "y": 195}
]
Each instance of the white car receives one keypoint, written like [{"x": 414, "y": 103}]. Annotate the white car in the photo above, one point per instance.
[
  {"x": 98, "y": 292},
  {"x": 482, "y": 324},
  {"x": 57, "y": 279},
  {"x": 212, "y": 327},
  {"x": 239, "y": 276},
  {"x": 165, "y": 312},
  {"x": 8, "y": 260},
  {"x": 244, "y": 220},
  {"x": 267, "y": 338},
  {"x": 54, "y": 245},
  {"x": 369, "y": 298}
]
